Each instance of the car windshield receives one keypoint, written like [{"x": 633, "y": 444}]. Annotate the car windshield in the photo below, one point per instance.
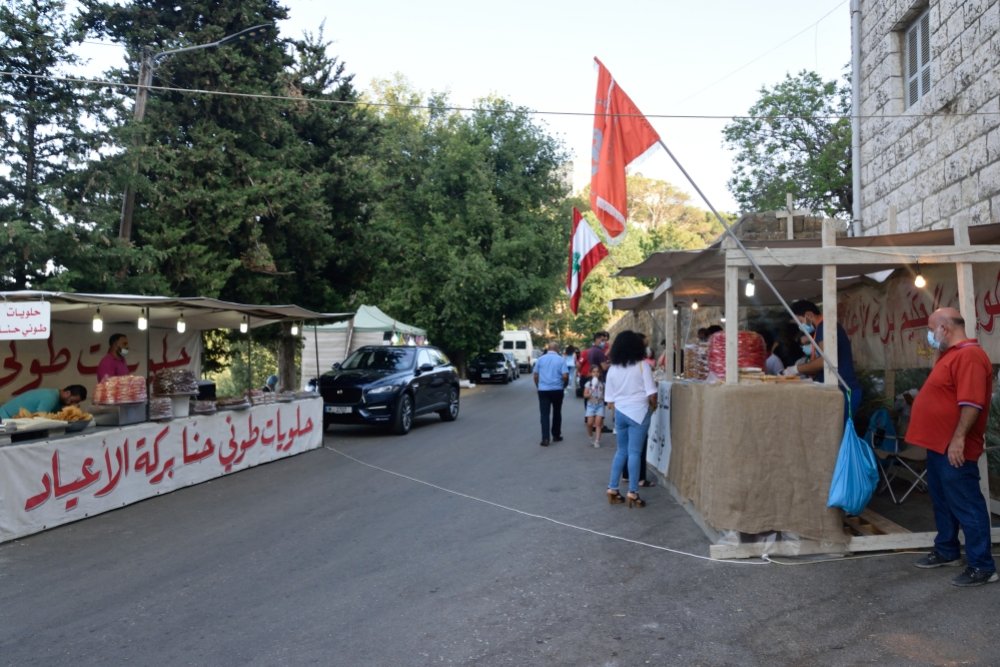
[
  {"x": 492, "y": 358},
  {"x": 380, "y": 359}
]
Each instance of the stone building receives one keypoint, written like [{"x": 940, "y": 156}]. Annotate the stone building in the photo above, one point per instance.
[{"x": 930, "y": 114}]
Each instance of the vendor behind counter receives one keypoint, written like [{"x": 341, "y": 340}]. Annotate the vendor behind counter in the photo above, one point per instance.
[{"x": 43, "y": 400}]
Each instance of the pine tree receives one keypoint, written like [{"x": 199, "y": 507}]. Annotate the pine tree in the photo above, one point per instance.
[{"x": 43, "y": 142}]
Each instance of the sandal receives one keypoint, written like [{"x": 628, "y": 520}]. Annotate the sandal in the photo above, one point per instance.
[
  {"x": 615, "y": 497},
  {"x": 647, "y": 483}
]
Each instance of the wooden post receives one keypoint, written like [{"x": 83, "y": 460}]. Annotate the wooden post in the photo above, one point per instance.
[
  {"x": 732, "y": 312},
  {"x": 830, "y": 306},
  {"x": 790, "y": 217},
  {"x": 669, "y": 334},
  {"x": 967, "y": 306}
]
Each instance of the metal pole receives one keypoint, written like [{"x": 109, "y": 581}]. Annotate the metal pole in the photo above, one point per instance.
[{"x": 760, "y": 272}]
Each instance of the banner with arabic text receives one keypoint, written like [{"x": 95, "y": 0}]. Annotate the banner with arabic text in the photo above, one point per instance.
[
  {"x": 51, "y": 482},
  {"x": 887, "y": 324},
  {"x": 71, "y": 354}
]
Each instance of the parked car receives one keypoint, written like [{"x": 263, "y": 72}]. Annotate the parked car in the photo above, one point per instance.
[
  {"x": 513, "y": 364},
  {"x": 490, "y": 367},
  {"x": 390, "y": 385}
]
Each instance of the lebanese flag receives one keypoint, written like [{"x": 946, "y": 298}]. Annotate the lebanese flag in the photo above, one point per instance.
[
  {"x": 621, "y": 134},
  {"x": 585, "y": 252}
]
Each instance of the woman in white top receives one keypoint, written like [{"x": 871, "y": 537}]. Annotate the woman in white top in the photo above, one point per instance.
[{"x": 629, "y": 388}]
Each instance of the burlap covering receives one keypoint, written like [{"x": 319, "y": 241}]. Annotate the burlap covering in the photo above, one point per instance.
[{"x": 758, "y": 458}]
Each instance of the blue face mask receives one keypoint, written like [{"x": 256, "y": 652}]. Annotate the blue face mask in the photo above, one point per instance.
[
  {"x": 806, "y": 328},
  {"x": 932, "y": 341},
  {"x": 807, "y": 350}
]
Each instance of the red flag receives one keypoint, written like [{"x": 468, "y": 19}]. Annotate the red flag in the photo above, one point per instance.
[
  {"x": 585, "y": 252},
  {"x": 621, "y": 134}
]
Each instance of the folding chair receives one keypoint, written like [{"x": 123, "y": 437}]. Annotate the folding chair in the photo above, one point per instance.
[{"x": 895, "y": 456}]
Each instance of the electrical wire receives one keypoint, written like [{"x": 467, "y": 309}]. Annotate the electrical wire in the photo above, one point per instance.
[{"x": 531, "y": 112}]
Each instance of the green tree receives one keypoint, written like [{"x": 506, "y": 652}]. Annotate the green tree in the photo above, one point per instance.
[
  {"x": 472, "y": 223},
  {"x": 43, "y": 141},
  {"x": 797, "y": 139}
]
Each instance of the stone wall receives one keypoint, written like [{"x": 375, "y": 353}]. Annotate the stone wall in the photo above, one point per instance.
[{"x": 939, "y": 160}]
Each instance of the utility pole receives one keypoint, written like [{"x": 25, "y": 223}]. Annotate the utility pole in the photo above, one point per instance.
[{"x": 146, "y": 67}]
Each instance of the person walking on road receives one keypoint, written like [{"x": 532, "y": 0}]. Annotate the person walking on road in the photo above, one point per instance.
[
  {"x": 630, "y": 389},
  {"x": 948, "y": 418},
  {"x": 550, "y": 380}
]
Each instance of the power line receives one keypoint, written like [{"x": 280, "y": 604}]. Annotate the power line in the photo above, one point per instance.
[
  {"x": 463, "y": 109},
  {"x": 766, "y": 53}
]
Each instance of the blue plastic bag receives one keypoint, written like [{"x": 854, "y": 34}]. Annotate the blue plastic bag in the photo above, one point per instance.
[{"x": 855, "y": 476}]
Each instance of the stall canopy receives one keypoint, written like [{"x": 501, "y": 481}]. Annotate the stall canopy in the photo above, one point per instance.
[
  {"x": 369, "y": 326},
  {"x": 701, "y": 274},
  {"x": 163, "y": 312}
]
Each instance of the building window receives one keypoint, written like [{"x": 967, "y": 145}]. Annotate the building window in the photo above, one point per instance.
[{"x": 917, "y": 58}]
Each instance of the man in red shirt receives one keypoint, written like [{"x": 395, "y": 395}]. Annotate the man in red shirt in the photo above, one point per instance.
[{"x": 949, "y": 420}]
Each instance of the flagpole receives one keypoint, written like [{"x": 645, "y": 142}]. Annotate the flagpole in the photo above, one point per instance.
[{"x": 746, "y": 253}]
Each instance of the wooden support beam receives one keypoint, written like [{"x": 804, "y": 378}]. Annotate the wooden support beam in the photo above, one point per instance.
[
  {"x": 829, "y": 324},
  {"x": 732, "y": 305},
  {"x": 882, "y": 255},
  {"x": 669, "y": 333}
]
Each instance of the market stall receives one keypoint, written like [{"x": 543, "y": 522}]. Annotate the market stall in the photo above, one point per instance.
[
  {"x": 749, "y": 459},
  {"x": 54, "y": 475}
]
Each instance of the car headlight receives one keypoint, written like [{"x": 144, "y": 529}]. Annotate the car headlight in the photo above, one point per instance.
[{"x": 384, "y": 389}]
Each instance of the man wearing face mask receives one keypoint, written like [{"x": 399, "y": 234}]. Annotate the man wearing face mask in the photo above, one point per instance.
[
  {"x": 113, "y": 362},
  {"x": 948, "y": 418},
  {"x": 810, "y": 321}
]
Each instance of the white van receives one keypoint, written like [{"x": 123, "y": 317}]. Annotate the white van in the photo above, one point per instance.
[{"x": 518, "y": 342}]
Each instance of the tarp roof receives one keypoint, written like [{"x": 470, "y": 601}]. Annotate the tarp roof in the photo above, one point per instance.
[
  {"x": 199, "y": 312},
  {"x": 371, "y": 318},
  {"x": 701, "y": 274}
]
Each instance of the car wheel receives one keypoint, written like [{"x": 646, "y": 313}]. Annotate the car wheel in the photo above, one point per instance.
[
  {"x": 506, "y": 378},
  {"x": 402, "y": 415},
  {"x": 450, "y": 413}
]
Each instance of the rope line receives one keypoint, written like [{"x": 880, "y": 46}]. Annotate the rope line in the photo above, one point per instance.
[{"x": 764, "y": 560}]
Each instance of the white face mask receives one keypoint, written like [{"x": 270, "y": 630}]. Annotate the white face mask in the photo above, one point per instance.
[
  {"x": 123, "y": 351},
  {"x": 932, "y": 340}
]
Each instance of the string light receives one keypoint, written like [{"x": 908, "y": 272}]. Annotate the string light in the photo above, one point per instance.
[
  {"x": 181, "y": 326},
  {"x": 143, "y": 322},
  {"x": 98, "y": 323},
  {"x": 750, "y": 288},
  {"x": 244, "y": 325},
  {"x": 694, "y": 305},
  {"x": 919, "y": 282},
  {"x": 295, "y": 329}
]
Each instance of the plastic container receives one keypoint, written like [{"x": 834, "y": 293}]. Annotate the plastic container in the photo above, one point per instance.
[{"x": 181, "y": 405}]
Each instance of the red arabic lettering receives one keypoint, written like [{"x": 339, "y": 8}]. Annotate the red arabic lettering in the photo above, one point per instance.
[
  {"x": 121, "y": 456},
  {"x": 13, "y": 364},
  {"x": 183, "y": 360},
  {"x": 54, "y": 488},
  {"x": 191, "y": 457}
]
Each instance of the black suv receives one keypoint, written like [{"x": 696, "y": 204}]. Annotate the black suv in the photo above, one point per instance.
[
  {"x": 390, "y": 385},
  {"x": 491, "y": 367}
]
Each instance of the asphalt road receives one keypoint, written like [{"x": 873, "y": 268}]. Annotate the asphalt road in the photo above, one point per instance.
[{"x": 461, "y": 543}]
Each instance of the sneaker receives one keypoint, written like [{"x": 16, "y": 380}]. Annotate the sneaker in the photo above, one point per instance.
[
  {"x": 974, "y": 577},
  {"x": 934, "y": 559},
  {"x": 597, "y": 444}
]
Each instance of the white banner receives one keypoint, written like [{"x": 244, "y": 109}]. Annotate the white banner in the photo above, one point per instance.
[
  {"x": 71, "y": 355},
  {"x": 25, "y": 320},
  {"x": 887, "y": 324},
  {"x": 659, "y": 444},
  {"x": 49, "y": 483}
]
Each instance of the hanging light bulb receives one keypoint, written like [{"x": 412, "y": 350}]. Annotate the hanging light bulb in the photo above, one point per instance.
[
  {"x": 919, "y": 281},
  {"x": 98, "y": 324},
  {"x": 694, "y": 305},
  {"x": 295, "y": 329},
  {"x": 677, "y": 311},
  {"x": 722, "y": 320},
  {"x": 244, "y": 325},
  {"x": 143, "y": 322},
  {"x": 750, "y": 288},
  {"x": 181, "y": 326}
]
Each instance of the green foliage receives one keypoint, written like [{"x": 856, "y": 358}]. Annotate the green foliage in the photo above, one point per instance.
[
  {"x": 44, "y": 137},
  {"x": 471, "y": 224},
  {"x": 797, "y": 139}
]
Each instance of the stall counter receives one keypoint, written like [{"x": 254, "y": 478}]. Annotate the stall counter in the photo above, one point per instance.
[
  {"x": 47, "y": 483},
  {"x": 756, "y": 458}
]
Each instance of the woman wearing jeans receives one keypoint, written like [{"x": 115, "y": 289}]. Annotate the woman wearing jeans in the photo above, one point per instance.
[{"x": 631, "y": 391}]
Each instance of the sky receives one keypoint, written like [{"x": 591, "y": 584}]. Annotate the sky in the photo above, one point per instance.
[{"x": 693, "y": 59}]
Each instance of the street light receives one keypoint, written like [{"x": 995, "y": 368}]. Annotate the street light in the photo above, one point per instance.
[{"x": 146, "y": 67}]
